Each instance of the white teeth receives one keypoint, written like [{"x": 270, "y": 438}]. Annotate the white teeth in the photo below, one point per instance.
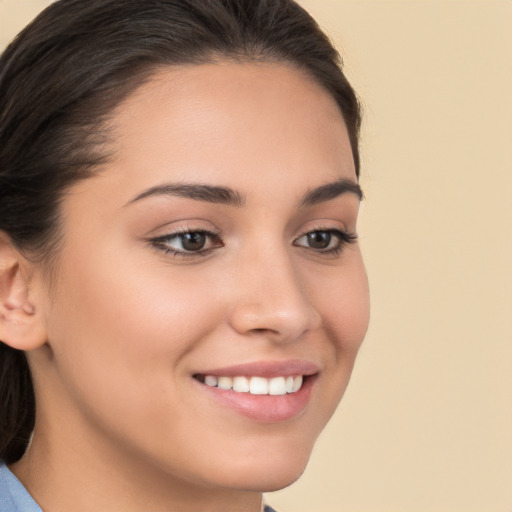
[
  {"x": 241, "y": 384},
  {"x": 289, "y": 384},
  {"x": 297, "y": 383},
  {"x": 225, "y": 383},
  {"x": 277, "y": 386},
  {"x": 210, "y": 380},
  {"x": 256, "y": 385}
]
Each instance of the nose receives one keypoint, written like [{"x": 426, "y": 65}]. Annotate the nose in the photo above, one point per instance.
[{"x": 271, "y": 299}]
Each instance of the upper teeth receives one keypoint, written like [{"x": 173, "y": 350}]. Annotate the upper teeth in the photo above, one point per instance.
[{"x": 256, "y": 385}]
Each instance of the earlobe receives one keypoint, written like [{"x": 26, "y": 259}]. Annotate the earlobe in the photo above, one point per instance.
[{"x": 21, "y": 325}]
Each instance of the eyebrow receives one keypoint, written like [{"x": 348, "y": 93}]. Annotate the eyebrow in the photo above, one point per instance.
[
  {"x": 332, "y": 191},
  {"x": 228, "y": 196},
  {"x": 208, "y": 193}
]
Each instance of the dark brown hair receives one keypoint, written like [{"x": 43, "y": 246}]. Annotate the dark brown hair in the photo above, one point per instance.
[{"x": 65, "y": 73}]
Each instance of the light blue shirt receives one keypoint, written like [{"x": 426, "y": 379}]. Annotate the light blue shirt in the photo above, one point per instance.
[{"x": 13, "y": 496}]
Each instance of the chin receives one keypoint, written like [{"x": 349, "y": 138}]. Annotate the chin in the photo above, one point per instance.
[
  {"x": 269, "y": 480},
  {"x": 279, "y": 480},
  {"x": 269, "y": 472}
]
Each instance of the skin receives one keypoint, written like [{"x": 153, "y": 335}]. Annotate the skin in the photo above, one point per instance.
[{"x": 121, "y": 423}]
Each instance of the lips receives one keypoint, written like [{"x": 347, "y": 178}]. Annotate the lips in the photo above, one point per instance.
[{"x": 265, "y": 391}]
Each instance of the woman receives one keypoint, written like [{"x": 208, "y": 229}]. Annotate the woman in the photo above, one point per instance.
[{"x": 182, "y": 293}]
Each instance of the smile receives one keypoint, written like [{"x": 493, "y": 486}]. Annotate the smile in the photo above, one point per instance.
[
  {"x": 265, "y": 391},
  {"x": 255, "y": 385}
]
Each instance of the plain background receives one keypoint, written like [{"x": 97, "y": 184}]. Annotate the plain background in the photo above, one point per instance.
[{"x": 426, "y": 424}]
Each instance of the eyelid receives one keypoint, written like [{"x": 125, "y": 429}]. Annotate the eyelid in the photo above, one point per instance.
[
  {"x": 161, "y": 242},
  {"x": 330, "y": 225},
  {"x": 344, "y": 238},
  {"x": 348, "y": 235}
]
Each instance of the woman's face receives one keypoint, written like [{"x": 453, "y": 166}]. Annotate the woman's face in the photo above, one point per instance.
[{"x": 214, "y": 250}]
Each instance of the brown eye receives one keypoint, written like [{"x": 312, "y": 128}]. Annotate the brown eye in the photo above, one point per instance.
[
  {"x": 319, "y": 239},
  {"x": 326, "y": 241},
  {"x": 192, "y": 241},
  {"x": 188, "y": 243}
]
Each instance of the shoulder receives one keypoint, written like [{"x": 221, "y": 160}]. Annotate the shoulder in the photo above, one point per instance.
[
  {"x": 6, "y": 502},
  {"x": 13, "y": 496}
]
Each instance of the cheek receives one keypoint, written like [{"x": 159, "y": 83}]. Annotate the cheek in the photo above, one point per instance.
[
  {"x": 121, "y": 335},
  {"x": 117, "y": 324},
  {"x": 345, "y": 307},
  {"x": 342, "y": 299}
]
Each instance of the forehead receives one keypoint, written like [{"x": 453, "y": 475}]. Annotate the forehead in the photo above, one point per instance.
[
  {"x": 227, "y": 84},
  {"x": 226, "y": 121}
]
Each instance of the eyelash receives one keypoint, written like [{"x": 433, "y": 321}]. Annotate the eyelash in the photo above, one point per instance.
[
  {"x": 344, "y": 238},
  {"x": 161, "y": 243}
]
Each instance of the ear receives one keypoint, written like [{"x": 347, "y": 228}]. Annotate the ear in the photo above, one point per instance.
[{"x": 21, "y": 321}]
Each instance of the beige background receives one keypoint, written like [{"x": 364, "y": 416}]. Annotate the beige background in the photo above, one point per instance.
[{"x": 426, "y": 425}]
